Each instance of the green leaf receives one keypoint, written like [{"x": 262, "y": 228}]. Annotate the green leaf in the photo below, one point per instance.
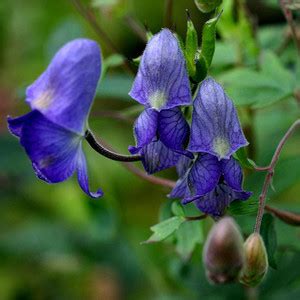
[
  {"x": 269, "y": 236},
  {"x": 209, "y": 40},
  {"x": 115, "y": 86},
  {"x": 177, "y": 209},
  {"x": 188, "y": 236},
  {"x": 103, "y": 3},
  {"x": 112, "y": 61},
  {"x": 164, "y": 229},
  {"x": 191, "y": 46},
  {"x": 259, "y": 89},
  {"x": 207, "y": 6},
  {"x": 241, "y": 156}
]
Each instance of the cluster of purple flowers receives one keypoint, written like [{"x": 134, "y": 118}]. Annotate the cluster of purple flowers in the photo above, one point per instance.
[{"x": 61, "y": 98}]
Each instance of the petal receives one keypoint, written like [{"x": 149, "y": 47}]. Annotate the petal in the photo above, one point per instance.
[
  {"x": 181, "y": 188},
  {"x": 173, "y": 129},
  {"x": 82, "y": 176},
  {"x": 65, "y": 91},
  {"x": 157, "y": 157},
  {"x": 162, "y": 81},
  {"x": 232, "y": 173},
  {"x": 51, "y": 148},
  {"x": 15, "y": 125},
  {"x": 183, "y": 165},
  {"x": 204, "y": 175},
  {"x": 145, "y": 128},
  {"x": 215, "y": 125},
  {"x": 215, "y": 202}
]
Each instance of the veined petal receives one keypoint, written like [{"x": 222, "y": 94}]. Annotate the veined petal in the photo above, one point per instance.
[
  {"x": 204, "y": 175},
  {"x": 232, "y": 172},
  {"x": 51, "y": 148},
  {"x": 162, "y": 80},
  {"x": 215, "y": 202},
  {"x": 15, "y": 125},
  {"x": 173, "y": 129},
  {"x": 181, "y": 188},
  {"x": 215, "y": 125},
  {"x": 145, "y": 128},
  {"x": 183, "y": 165},
  {"x": 157, "y": 157},
  {"x": 82, "y": 176},
  {"x": 65, "y": 91}
]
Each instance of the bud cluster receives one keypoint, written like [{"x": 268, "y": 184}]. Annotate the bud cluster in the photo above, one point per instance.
[{"x": 227, "y": 258}]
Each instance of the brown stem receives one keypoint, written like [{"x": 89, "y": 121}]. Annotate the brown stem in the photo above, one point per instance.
[
  {"x": 289, "y": 18},
  {"x": 269, "y": 176},
  {"x": 140, "y": 173},
  {"x": 89, "y": 16},
  {"x": 290, "y": 218},
  {"x": 136, "y": 28}
]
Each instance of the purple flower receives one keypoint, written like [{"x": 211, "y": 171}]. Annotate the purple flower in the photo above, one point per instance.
[
  {"x": 211, "y": 184},
  {"x": 160, "y": 138},
  {"x": 60, "y": 99},
  {"x": 215, "y": 125},
  {"x": 162, "y": 81},
  {"x": 161, "y": 85}
]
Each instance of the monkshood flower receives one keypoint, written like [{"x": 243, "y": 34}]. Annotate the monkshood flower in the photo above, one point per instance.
[
  {"x": 215, "y": 125},
  {"x": 211, "y": 184},
  {"x": 162, "y": 86},
  {"x": 60, "y": 99}
]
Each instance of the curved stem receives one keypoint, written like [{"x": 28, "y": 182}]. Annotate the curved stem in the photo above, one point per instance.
[
  {"x": 269, "y": 176},
  {"x": 285, "y": 216},
  {"x": 195, "y": 218},
  {"x": 90, "y": 138}
]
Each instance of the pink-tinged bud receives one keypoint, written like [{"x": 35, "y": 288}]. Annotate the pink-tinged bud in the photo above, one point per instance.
[
  {"x": 223, "y": 254},
  {"x": 256, "y": 264}
]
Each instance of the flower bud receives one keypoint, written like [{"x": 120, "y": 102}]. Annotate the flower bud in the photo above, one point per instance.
[
  {"x": 207, "y": 6},
  {"x": 256, "y": 264},
  {"x": 223, "y": 254}
]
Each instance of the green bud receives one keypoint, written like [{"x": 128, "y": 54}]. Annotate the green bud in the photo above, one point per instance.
[
  {"x": 256, "y": 264},
  {"x": 223, "y": 254},
  {"x": 207, "y": 6}
]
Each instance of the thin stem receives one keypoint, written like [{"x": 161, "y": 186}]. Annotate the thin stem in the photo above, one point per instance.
[
  {"x": 285, "y": 216},
  {"x": 136, "y": 27},
  {"x": 88, "y": 14},
  {"x": 106, "y": 152},
  {"x": 269, "y": 176},
  {"x": 168, "y": 13},
  {"x": 289, "y": 18},
  {"x": 140, "y": 173}
]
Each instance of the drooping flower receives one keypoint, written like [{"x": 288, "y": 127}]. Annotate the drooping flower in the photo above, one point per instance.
[
  {"x": 215, "y": 125},
  {"x": 162, "y": 86},
  {"x": 211, "y": 184},
  {"x": 60, "y": 99}
]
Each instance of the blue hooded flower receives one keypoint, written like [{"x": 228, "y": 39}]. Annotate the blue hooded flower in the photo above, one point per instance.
[
  {"x": 162, "y": 86},
  {"x": 215, "y": 125},
  {"x": 211, "y": 184},
  {"x": 60, "y": 99}
]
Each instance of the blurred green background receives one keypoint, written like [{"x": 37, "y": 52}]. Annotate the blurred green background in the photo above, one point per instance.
[{"x": 55, "y": 242}]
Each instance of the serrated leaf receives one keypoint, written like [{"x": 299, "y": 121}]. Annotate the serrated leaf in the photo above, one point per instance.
[
  {"x": 268, "y": 234},
  {"x": 188, "y": 236},
  {"x": 241, "y": 156},
  {"x": 177, "y": 209},
  {"x": 164, "y": 229},
  {"x": 259, "y": 89}
]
